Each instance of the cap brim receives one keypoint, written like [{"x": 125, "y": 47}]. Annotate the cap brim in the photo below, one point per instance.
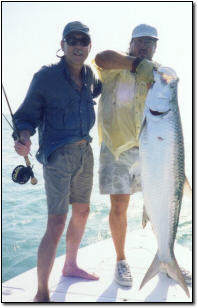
[
  {"x": 78, "y": 31},
  {"x": 143, "y": 35}
]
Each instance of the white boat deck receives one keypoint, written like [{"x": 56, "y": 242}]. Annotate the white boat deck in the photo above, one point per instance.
[{"x": 100, "y": 258}]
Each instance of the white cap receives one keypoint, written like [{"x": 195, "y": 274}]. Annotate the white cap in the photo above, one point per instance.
[{"x": 144, "y": 30}]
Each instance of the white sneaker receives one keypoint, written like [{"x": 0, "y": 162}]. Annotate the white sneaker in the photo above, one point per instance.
[{"x": 123, "y": 274}]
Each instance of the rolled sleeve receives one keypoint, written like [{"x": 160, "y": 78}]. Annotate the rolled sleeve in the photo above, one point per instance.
[{"x": 30, "y": 112}]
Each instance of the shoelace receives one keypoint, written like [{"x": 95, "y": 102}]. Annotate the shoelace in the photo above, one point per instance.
[{"x": 124, "y": 269}]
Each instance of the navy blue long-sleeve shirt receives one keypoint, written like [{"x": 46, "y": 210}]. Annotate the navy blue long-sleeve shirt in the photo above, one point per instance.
[{"x": 62, "y": 113}]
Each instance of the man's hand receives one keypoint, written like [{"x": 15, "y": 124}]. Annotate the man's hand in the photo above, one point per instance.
[{"x": 22, "y": 146}]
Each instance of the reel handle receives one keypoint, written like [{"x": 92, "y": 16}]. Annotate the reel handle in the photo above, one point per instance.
[{"x": 33, "y": 180}]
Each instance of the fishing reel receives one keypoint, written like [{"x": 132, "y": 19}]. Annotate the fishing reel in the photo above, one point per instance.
[{"x": 22, "y": 174}]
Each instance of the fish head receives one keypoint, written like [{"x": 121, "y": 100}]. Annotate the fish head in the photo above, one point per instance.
[{"x": 159, "y": 95}]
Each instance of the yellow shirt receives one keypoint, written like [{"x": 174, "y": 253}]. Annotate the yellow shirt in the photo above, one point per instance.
[{"x": 121, "y": 106}]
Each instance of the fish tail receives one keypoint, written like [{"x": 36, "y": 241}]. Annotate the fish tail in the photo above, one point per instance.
[
  {"x": 145, "y": 218},
  {"x": 153, "y": 270},
  {"x": 172, "y": 269},
  {"x": 175, "y": 273}
]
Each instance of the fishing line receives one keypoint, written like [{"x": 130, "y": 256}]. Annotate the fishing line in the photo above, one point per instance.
[
  {"x": 7, "y": 121},
  {"x": 12, "y": 127},
  {"x": 20, "y": 174}
]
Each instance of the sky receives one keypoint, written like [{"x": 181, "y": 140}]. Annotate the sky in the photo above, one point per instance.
[{"x": 31, "y": 35}]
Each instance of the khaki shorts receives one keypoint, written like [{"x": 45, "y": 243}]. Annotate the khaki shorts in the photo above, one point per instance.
[
  {"x": 120, "y": 176},
  {"x": 68, "y": 177}
]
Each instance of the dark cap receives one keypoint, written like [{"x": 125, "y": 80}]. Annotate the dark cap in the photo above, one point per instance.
[{"x": 75, "y": 26}]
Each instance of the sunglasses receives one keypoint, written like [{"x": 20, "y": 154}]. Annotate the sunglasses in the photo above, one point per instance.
[
  {"x": 73, "y": 41},
  {"x": 146, "y": 41}
]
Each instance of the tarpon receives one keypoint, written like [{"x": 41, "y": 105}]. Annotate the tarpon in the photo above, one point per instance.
[{"x": 162, "y": 171}]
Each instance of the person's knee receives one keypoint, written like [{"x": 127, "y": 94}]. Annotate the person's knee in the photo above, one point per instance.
[
  {"x": 55, "y": 226},
  {"x": 118, "y": 210},
  {"x": 119, "y": 206},
  {"x": 81, "y": 214}
]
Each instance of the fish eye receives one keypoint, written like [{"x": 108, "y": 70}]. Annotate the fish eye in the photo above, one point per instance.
[{"x": 157, "y": 113}]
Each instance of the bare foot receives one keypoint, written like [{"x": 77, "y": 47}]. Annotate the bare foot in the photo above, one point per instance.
[
  {"x": 75, "y": 271},
  {"x": 41, "y": 298}
]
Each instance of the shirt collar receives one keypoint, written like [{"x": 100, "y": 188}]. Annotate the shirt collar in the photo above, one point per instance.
[{"x": 64, "y": 64}]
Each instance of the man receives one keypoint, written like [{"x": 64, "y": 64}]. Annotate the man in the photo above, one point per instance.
[
  {"x": 60, "y": 103},
  {"x": 126, "y": 79}
]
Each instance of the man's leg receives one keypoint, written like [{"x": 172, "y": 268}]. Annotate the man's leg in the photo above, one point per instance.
[
  {"x": 74, "y": 235},
  {"x": 47, "y": 253},
  {"x": 118, "y": 222},
  {"x": 118, "y": 225}
]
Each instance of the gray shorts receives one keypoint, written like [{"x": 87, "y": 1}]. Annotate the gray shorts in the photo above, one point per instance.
[
  {"x": 120, "y": 176},
  {"x": 68, "y": 177}
]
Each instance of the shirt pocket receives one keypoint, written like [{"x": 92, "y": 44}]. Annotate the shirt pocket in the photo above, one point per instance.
[{"x": 56, "y": 117}]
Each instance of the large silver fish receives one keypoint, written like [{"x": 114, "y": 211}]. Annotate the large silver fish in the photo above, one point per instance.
[{"x": 162, "y": 171}]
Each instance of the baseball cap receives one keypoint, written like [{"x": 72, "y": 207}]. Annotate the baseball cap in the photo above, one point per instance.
[
  {"x": 75, "y": 26},
  {"x": 144, "y": 30}
]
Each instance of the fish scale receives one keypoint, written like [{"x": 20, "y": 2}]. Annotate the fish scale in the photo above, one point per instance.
[{"x": 162, "y": 171}]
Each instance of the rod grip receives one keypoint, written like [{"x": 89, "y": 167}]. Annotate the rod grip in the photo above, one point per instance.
[{"x": 33, "y": 180}]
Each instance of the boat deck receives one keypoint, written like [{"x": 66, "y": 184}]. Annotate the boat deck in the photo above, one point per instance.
[{"x": 100, "y": 258}]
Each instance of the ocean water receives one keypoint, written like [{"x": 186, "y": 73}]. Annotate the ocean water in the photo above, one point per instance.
[{"x": 24, "y": 211}]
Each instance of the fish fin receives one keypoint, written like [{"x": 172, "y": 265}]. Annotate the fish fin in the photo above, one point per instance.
[
  {"x": 152, "y": 271},
  {"x": 145, "y": 218},
  {"x": 142, "y": 126},
  {"x": 187, "y": 190},
  {"x": 175, "y": 273}
]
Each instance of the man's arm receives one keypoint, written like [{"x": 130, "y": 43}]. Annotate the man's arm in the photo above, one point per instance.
[
  {"x": 28, "y": 116},
  {"x": 110, "y": 59}
]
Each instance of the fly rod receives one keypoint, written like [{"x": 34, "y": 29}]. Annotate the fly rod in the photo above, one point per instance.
[{"x": 20, "y": 174}]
